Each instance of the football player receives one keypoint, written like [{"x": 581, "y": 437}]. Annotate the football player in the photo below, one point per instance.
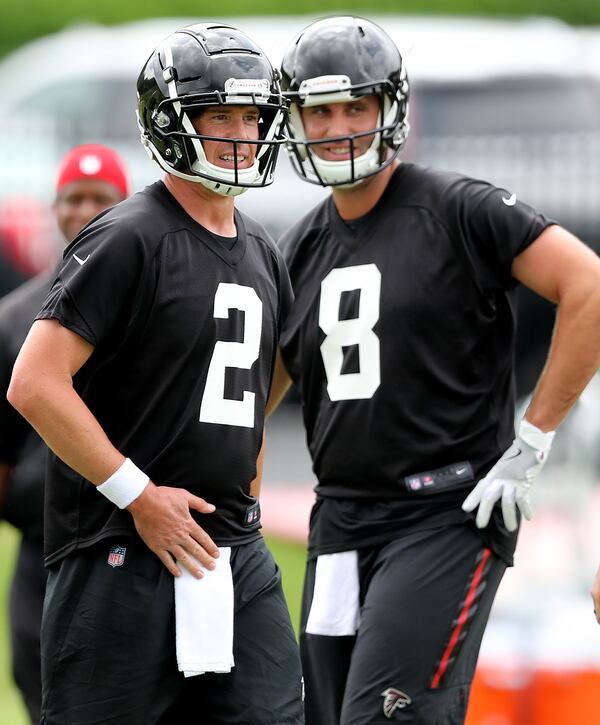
[
  {"x": 401, "y": 342},
  {"x": 147, "y": 373},
  {"x": 90, "y": 179}
]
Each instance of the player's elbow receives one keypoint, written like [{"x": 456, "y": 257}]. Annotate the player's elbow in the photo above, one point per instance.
[
  {"x": 580, "y": 293},
  {"x": 590, "y": 297},
  {"x": 24, "y": 391}
]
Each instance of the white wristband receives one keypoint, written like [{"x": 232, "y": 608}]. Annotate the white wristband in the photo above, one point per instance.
[{"x": 125, "y": 485}]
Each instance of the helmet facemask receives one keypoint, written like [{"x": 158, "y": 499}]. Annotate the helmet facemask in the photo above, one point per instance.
[
  {"x": 389, "y": 133},
  {"x": 194, "y": 69},
  {"x": 183, "y": 146}
]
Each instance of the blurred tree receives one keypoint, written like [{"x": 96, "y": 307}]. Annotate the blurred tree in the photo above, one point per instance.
[{"x": 22, "y": 22}]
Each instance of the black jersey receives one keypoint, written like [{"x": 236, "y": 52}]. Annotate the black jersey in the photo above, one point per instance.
[
  {"x": 184, "y": 333},
  {"x": 401, "y": 336},
  {"x": 20, "y": 445}
]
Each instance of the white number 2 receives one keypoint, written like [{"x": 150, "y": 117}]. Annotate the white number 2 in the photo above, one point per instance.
[
  {"x": 215, "y": 407},
  {"x": 358, "y": 331}
]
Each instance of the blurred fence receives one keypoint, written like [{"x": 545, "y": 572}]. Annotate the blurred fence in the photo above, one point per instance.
[{"x": 559, "y": 173}]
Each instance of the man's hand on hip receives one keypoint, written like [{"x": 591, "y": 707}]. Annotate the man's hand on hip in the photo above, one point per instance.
[
  {"x": 511, "y": 478},
  {"x": 162, "y": 518}
]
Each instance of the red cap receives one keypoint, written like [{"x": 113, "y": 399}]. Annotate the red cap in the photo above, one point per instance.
[{"x": 93, "y": 161}]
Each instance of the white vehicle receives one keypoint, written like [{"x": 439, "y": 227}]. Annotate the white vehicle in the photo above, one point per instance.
[{"x": 508, "y": 101}]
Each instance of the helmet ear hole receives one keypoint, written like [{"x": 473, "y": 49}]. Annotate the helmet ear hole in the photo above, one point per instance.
[{"x": 162, "y": 120}]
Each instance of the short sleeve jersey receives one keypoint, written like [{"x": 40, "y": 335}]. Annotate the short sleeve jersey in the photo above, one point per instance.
[
  {"x": 20, "y": 446},
  {"x": 401, "y": 336},
  {"x": 184, "y": 333}
]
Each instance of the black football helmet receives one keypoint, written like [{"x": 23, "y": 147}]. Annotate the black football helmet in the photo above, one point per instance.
[
  {"x": 202, "y": 65},
  {"x": 341, "y": 59}
]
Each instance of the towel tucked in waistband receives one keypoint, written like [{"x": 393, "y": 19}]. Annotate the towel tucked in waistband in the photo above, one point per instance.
[
  {"x": 204, "y": 619},
  {"x": 335, "y": 609}
]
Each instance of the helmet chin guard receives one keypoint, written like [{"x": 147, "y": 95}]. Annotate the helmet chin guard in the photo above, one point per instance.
[
  {"x": 339, "y": 60},
  {"x": 194, "y": 69}
]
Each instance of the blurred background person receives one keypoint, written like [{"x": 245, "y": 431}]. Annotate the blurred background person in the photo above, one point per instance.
[
  {"x": 90, "y": 179},
  {"x": 27, "y": 244}
]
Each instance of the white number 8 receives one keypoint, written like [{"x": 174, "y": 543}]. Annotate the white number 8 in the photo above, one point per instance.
[{"x": 357, "y": 331}]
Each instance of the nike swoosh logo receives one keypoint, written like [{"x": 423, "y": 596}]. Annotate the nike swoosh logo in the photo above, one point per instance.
[
  {"x": 459, "y": 471},
  {"x": 515, "y": 455},
  {"x": 510, "y": 200},
  {"x": 80, "y": 261}
]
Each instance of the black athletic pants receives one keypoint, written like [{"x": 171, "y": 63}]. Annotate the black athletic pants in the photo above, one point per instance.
[
  {"x": 108, "y": 645},
  {"x": 425, "y": 599}
]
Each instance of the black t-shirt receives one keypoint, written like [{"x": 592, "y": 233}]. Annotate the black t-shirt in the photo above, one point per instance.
[
  {"x": 20, "y": 445},
  {"x": 401, "y": 341},
  {"x": 184, "y": 333}
]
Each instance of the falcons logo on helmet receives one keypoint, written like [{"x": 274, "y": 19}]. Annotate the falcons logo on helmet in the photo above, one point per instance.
[{"x": 394, "y": 700}]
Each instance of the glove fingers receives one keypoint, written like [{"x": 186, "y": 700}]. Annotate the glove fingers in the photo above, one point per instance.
[
  {"x": 509, "y": 513},
  {"x": 483, "y": 513},
  {"x": 524, "y": 505},
  {"x": 474, "y": 498},
  {"x": 510, "y": 479},
  {"x": 491, "y": 494}
]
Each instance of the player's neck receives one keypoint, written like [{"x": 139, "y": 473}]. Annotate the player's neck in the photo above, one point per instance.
[
  {"x": 358, "y": 201},
  {"x": 211, "y": 210}
]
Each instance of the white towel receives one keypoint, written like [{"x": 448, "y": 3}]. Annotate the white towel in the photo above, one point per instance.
[
  {"x": 204, "y": 619},
  {"x": 335, "y": 610}
]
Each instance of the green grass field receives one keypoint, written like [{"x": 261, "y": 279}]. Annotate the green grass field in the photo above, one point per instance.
[
  {"x": 290, "y": 558},
  {"x": 12, "y": 711}
]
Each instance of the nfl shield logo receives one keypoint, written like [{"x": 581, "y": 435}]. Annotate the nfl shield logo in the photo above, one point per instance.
[{"x": 116, "y": 555}]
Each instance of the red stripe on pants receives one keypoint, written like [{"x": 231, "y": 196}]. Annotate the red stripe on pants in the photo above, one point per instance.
[{"x": 463, "y": 617}]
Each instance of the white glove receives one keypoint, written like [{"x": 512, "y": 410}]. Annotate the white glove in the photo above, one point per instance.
[{"x": 511, "y": 478}]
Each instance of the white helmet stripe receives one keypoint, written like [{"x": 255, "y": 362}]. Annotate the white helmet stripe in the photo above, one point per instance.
[{"x": 168, "y": 76}]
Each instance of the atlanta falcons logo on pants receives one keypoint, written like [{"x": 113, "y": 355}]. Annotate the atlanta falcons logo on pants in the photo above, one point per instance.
[{"x": 394, "y": 700}]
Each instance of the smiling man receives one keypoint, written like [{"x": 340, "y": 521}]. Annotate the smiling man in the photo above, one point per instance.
[
  {"x": 401, "y": 342},
  {"x": 147, "y": 374},
  {"x": 223, "y": 121}
]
